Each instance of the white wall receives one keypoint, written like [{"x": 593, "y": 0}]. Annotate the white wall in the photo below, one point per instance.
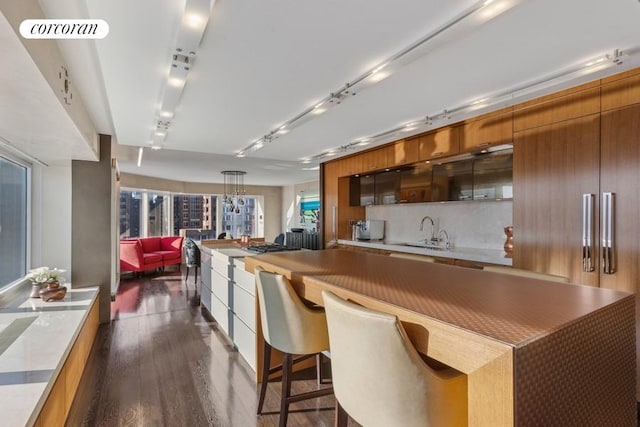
[
  {"x": 51, "y": 217},
  {"x": 469, "y": 224},
  {"x": 289, "y": 208}
]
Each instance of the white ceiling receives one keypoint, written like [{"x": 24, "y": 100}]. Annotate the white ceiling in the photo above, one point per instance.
[{"x": 261, "y": 63}]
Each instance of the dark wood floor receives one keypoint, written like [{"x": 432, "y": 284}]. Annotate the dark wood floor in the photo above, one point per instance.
[{"x": 161, "y": 363}]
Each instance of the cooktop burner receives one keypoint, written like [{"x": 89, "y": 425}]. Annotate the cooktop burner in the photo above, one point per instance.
[{"x": 270, "y": 247}]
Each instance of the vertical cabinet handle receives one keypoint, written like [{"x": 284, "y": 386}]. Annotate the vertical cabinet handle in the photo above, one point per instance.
[
  {"x": 588, "y": 263},
  {"x": 334, "y": 218},
  {"x": 608, "y": 251}
]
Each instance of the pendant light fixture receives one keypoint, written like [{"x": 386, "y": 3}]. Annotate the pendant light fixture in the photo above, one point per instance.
[{"x": 234, "y": 192}]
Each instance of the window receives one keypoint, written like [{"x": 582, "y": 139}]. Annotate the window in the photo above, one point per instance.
[
  {"x": 242, "y": 220},
  {"x": 14, "y": 194},
  {"x": 159, "y": 216},
  {"x": 130, "y": 213}
]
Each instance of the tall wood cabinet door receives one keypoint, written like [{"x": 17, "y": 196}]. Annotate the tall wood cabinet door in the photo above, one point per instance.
[
  {"x": 553, "y": 166},
  {"x": 620, "y": 174},
  {"x": 329, "y": 201}
]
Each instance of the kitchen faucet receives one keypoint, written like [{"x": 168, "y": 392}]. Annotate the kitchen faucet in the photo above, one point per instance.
[
  {"x": 433, "y": 227},
  {"x": 447, "y": 242}
]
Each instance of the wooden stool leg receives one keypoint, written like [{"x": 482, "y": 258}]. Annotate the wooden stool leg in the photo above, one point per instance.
[
  {"x": 319, "y": 369},
  {"x": 342, "y": 419},
  {"x": 286, "y": 389},
  {"x": 266, "y": 362}
]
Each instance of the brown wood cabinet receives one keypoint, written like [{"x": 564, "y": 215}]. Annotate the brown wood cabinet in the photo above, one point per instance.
[
  {"x": 403, "y": 152},
  {"x": 565, "y": 105},
  {"x": 56, "y": 408},
  {"x": 620, "y": 174},
  {"x": 488, "y": 130},
  {"x": 329, "y": 186},
  {"x": 553, "y": 166},
  {"x": 440, "y": 143},
  {"x": 350, "y": 165},
  {"x": 621, "y": 91},
  {"x": 346, "y": 212},
  {"x": 376, "y": 159}
]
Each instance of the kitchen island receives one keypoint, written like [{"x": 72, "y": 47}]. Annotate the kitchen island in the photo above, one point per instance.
[{"x": 535, "y": 352}]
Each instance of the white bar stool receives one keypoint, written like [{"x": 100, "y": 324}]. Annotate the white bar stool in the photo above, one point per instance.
[
  {"x": 380, "y": 379},
  {"x": 293, "y": 328}
]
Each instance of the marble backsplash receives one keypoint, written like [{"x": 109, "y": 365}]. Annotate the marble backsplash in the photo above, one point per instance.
[{"x": 469, "y": 224}]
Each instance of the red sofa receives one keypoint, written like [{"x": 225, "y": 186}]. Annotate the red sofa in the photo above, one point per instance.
[{"x": 150, "y": 252}]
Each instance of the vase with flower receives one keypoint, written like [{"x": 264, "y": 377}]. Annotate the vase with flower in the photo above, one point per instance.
[{"x": 46, "y": 283}]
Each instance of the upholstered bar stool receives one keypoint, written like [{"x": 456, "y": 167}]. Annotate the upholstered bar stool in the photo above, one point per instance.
[
  {"x": 293, "y": 328},
  {"x": 525, "y": 273},
  {"x": 379, "y": 378}
]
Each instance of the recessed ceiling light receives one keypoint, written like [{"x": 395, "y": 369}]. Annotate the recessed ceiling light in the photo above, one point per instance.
[
  {"x": 166, "y": 114},
  {"x": 306, "y": 160},
  {"x": 282, "y": 131},
  {"x": 156, "y": 147},
  {"x": 313, "y": 168},
  {"x": 259, "y": 144}
]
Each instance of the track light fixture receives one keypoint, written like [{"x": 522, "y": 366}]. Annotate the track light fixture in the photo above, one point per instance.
[
  {"x": 194, "y": 21},
  {"x": 503, "y": 98},
  {"x": 385, "y": 68}
]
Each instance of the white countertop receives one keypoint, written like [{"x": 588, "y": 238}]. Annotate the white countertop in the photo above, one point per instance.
[
  {"x": 35, "y": 339},
  {"x": 235, "y": 253},
  {"x": 489, "y": 256}
]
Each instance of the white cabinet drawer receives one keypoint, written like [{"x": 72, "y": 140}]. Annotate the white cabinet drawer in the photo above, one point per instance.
[
  {"x": 205, "y": 298},
  {"x": 220, "y": 287},
  {"x": 245, "y": 339},
  {"x": 245, "y": 280},
  {"x": 220, "y": 312},
  {"x": 244, "y": 306},
  {"x": 221, "y": 267}
]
